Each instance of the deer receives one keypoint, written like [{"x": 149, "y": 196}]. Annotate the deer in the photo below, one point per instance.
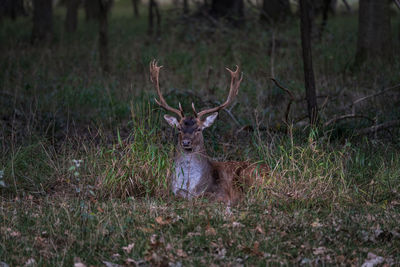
[{"x": 195, "y": 174}]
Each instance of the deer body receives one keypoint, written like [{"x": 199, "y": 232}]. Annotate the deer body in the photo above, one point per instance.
[
  {"x": 192, "y": 175},
  {"x": 195, "y": 174}
]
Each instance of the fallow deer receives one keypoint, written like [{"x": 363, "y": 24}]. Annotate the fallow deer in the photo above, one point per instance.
[{"x": 195, "y": 173}]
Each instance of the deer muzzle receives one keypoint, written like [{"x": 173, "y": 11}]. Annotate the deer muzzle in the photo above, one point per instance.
[{"x": 187, "y": 144}]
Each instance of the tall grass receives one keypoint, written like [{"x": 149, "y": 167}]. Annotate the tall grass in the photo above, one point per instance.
[
  {"x": 58, "y": 95},
  {"x": 139, "y": 165}
]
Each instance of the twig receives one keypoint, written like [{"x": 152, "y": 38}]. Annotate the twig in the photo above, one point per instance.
[
  {"x": 261, "y": 11},
  {"x": 283, "y": 88},
  {"x": 375, "y": 94},
  {"x": 397, "y": 2},
  {"x": 290, "y": 101},
  {"x": 272, "y": 62},
  {"x": 228, "y": 111},
  {"x": 375, "y": 128},
  {"x": 346, "y": 116},
  {"x": 347, "y": 6}
]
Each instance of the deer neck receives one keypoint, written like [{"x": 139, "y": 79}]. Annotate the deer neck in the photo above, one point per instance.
[{"x": 193, "y": 173}]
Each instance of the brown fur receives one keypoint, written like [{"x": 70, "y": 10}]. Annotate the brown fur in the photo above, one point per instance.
[
  {"x": 195, "y": 175},
  {"x": 235, "y": 177}
]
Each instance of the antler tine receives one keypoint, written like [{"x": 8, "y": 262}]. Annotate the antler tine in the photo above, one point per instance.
[
  {"x": 236, "y": 79},
  {"x": 154, "y": 74},
  {"x": 194, "y": 111}
]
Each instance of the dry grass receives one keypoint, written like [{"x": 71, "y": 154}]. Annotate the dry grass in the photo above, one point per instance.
[{"x": 332, "y": 198}]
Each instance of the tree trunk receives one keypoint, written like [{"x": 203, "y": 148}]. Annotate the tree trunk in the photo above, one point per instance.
[
  {"x": 12, "y": 8},
  {"x": 135, "y": 5},
  {"x": 305, "y": 28},
  {"x": 325, "y": 11},
  {"x": 42, "y": 20},
  {"x": 92, "y": 9},
  {"x": 374, "y": 40},
  {"x": 185, "y": 7},
  {"x": 275, "y": 10},
  {"x": 232, "y": 10},
  {"x": 104, "y": 6},
  {"x": 154, "y": 5},
  {"x": 150, "y": 28},
  {"x": 71, "y": 19}
]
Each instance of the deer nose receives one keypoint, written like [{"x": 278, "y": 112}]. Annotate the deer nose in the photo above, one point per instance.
[{"x": 186, "y": 142}]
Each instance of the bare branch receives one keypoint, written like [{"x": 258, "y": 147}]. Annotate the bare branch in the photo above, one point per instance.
[
  {"x": 346, "y": 116},
  {"x": 347, "y": 6},
  {"x": 291, "y": 96},
  {"x": 375, "y": 128},
  {"x": 375, "y": 94},
  {"x": 397, "y": 2}
]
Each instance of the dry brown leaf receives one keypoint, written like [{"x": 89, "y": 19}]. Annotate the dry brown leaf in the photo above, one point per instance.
[
  {"x": 316, "y": 224},
  {"x": 372, "y": 260},
  {"x": 161, "y": 221},
  {"x": 181, "y": 253},
  {"x": 128, "y": 248},
  {"x": 15, "y": 234},
  {"x": 319, "y": 250},
  {"x": 132, "y": 262},
  {"x": 210, "y": 230},
  {"x": 146, "y": 230},
  {"x": 30, "y": 262},
  {"x": 260, "y": 230},
  {"x": 193, "y": 234},
  {"x": 341, "y": 258},
  {"x": 237, "y": 225}
]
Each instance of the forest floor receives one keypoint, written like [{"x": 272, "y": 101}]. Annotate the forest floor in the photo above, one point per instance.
[{"x": 85, "y": 155}]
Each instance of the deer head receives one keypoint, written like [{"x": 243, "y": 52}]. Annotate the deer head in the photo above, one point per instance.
[{"x": 191, "y": 127}]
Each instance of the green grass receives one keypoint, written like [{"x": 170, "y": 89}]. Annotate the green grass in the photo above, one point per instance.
[
  {"x": 54, "y": 231},
  {"x": 332, "y": 198}
]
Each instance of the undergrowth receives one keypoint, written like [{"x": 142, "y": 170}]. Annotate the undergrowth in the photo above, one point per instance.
[{"x": 85, "y": 156}]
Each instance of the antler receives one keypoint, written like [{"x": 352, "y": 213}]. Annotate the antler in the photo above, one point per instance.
[
  {"x": 236, "y": 79},
  {"x": 154, "y": 73}
]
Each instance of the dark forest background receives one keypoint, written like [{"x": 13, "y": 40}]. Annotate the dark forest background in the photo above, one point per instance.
[{"x": 81, "y": 136}]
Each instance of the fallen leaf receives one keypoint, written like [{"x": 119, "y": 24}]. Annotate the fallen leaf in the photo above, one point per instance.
[
  {"x": 30, "y": 262},
  {"x": 260, "y": 230},
  {"x": 78, "y": 262},
  {"x": 115, "y": 256},
  {"x": 237, "y": 225},
  {"x": 316, "y": 224},
  {"x": 221, "y": 252},
  {"x": 340, "y": 258},
  {"x": 181, "y": 253},
  {"x": 15, "y": 234},
  {"x": 319, "y": 250},
  {"x": 193, "y": 234},
  {"x": 256, "y": 250},
  {"x": 161, "y": 221},
  {"x": 128, "y": 248},
  {"x": 210, "y": 230},
  {"x": 372, "y": 260},
  {"x": 132, "y": 262},
  {"x": 146, "y": 230},
  {"x": 110, "y": 264}
]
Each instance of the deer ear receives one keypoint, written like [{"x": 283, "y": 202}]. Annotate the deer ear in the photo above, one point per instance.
[
  {"x": 210, "y": 120},
  {"x": 172, "y": 121}
]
